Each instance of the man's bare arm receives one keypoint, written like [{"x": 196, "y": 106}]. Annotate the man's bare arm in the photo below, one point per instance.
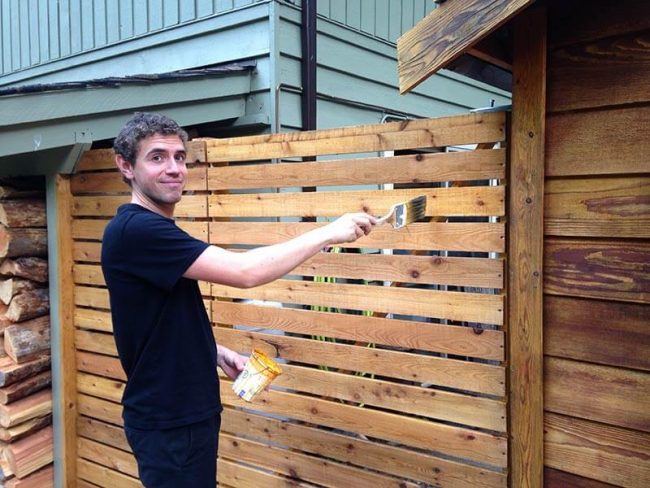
[{"x": 265, "y": 264}]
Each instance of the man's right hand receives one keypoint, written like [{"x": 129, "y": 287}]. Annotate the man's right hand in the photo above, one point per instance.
[{"x": 349, "y": 228}]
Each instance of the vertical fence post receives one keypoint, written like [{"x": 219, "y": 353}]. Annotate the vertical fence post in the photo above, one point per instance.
[
  {"x": 525, "y": 241},
  {"x": 64, "y": 366}
]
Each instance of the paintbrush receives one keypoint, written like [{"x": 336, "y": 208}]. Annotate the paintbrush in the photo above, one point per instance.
[{"x": 402, "y": 214}]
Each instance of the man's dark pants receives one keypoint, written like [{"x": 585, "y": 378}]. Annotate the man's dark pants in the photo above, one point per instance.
[{"x": 178, "y": 457}]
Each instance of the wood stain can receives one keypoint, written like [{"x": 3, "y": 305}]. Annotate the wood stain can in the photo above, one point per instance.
[{"x": 259, "y": 372}]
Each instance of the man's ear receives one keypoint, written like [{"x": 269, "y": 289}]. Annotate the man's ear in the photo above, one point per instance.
[{"x": 125, "y": 167}]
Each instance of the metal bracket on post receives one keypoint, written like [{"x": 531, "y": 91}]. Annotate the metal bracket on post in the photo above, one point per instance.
[{"x": 82, "y": 142}]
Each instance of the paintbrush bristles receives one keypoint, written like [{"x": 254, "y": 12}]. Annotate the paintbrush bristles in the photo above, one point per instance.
[
  {"x": 404, "y": 213},
  {"x": 416, "y": 209}
]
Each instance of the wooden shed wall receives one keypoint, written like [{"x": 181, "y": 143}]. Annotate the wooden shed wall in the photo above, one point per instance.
[{"x": 597, "y": 245}]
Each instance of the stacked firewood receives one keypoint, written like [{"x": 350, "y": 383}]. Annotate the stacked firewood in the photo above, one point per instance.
[{"x": 26, "y": 441}]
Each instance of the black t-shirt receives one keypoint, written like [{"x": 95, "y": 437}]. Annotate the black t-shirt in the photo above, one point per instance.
[{"x": 162, "y": 331}]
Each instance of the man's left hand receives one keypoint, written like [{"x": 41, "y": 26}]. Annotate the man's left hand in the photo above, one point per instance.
[{"x": 231, "y": 362}]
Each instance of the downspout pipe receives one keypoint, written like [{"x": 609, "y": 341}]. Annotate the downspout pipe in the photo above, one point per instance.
[{"x": 308, "y": 68}]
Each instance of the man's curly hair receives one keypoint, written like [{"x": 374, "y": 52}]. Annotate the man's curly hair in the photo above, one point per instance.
[{"x": 141, "y": 126}]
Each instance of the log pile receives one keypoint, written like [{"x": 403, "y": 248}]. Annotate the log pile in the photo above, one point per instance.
[{"x": 26, "y": 440}]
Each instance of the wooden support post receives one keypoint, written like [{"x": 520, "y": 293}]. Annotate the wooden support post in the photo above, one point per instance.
[
  {"x": 64, "y": 369},
  {"x": 525, "y": 240}
]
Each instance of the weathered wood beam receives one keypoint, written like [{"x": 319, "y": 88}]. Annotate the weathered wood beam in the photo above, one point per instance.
[
  {"x": 446, "y": 33},
  {"x": 525, "y": 252}
]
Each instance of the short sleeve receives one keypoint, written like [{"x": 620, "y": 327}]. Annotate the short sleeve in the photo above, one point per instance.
[{"x": 156, "y": 250}]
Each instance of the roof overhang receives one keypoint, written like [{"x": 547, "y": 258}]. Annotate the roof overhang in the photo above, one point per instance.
[
  {"x": 453, "y": 30},
  {"x": 41, "y": 128}
]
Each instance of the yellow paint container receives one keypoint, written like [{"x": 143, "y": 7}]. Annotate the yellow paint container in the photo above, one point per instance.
[{"x": 259, "y": 372}]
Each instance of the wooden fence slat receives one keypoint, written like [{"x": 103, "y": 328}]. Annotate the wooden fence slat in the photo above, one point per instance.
[
  {"x": 100, "y": 409},
  {"x": 396, "y": 460},
  {"x": 111, "y": 182},
  {"x": 88, "y": 318},
  {"x": 106, "y": 206},
  {"x": 87, "y": 251},
  {"x": 554, "y": 478},
  {"x": 461, "y": 341},
  {"x": 99, "y": 159},
  {"x": 99, "y": 431},
  {"x": 440, "y": 270},
  {"x": 95, "y": 342},
  {"x": 302, "y": 466},
  {"x": 107, "y": 456},
  {"x": 100, "y": 387},
  {"x": 234, "y": 475},
  {"x": 590, "y": 207},
  {"x": 94, "y": 228},
  {"x": 599, "y": 142},
  {"x": 472, "y": 411},
  {"x": 462, "y": 375},
  {"x": 605, "y": 332},
  {"x": 103, "y": 476},
  {"x": 477, "y": 237},
  {"x": 424, "y": 133},
  {"x": 609, "y": 454},
  {"x": 609, "y": 395},
  {"x": 452, "y": 305},
  {"x": 412, "y": 168},
  {"x": 100, "y": 365},
  {"x": 90, "y": 274},
  {"x": 482, "y": 201},
  {"x": 410, "y": 431},
  {"x": 87, "y": 296},
  {"x": 598, "y": 269}
]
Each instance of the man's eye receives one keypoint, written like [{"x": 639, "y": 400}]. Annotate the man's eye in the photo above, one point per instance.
[
  {"x": 156, "y": 158},
  {"x": 180, "y": 157}
]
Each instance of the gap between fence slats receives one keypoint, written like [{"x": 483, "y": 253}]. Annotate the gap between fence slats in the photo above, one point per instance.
[
  {"x": 412, "y": 168},
  {"x": 420, "y": 368},
  {"x": 480, "y": 201},
  {"x": 458, "y": 236},
  {"x": 452, "y": 305}
]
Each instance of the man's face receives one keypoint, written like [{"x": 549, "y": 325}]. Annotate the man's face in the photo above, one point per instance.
[{"x": 159, "y": 173}]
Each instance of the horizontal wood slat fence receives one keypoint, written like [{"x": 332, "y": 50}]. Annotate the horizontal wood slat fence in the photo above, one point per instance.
[{"x": 392, "y": 346}]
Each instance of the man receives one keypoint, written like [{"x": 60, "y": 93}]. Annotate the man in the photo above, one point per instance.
[{"x": 162, "y": 332}]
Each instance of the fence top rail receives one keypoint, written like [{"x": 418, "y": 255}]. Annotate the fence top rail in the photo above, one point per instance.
[{"x": 473, "y": 128}]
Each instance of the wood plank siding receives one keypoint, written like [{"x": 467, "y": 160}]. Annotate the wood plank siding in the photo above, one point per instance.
[{"x": 596, "y": 246}]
